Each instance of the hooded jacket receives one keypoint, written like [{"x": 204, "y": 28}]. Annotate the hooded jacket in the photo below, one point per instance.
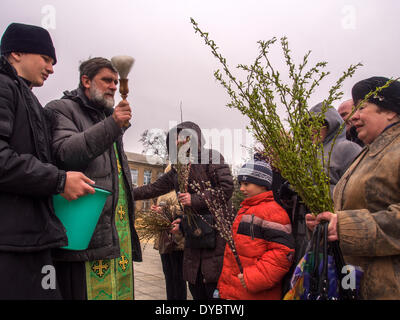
[
  {"x": 343, "y": 153},
  {"x": 27, "y": 177},
  {"x": 367, "y": 204},
  {"x": 82, "y": 140},
  {"x": 209, "y": 261}
]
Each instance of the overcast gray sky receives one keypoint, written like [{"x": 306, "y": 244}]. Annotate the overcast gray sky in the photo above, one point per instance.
[{"x": 173, "y": 64}]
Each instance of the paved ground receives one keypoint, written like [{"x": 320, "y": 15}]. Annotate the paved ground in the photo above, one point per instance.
[{"x": 149, "y": 277}]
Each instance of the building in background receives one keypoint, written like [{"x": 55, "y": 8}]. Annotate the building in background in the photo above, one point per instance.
[{"x": 144, "y": 170}]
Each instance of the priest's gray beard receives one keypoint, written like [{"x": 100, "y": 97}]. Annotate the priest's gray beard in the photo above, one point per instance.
[{"x": 101, "y": 99}]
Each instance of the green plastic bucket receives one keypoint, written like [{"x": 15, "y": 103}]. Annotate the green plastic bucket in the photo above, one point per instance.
[{"x": 80, "y": 216}]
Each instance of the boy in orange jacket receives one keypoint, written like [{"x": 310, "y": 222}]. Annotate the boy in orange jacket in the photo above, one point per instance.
[{"x": 264, "y": 243}]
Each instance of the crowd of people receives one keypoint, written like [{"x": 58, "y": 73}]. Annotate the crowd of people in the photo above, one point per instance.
[{"x": 75, "y": 143}]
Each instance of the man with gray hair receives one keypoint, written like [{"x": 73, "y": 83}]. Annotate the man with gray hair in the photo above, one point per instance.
[
  {"x": 87, "y": 135},
  {"x": 344, "y": 110}
]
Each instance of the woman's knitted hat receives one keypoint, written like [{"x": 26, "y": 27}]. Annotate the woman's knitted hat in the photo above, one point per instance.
[
  {"x": 257, "y": 172},
  {"x": 388, "y": 98},
  {"x": 26, "y": 38}
]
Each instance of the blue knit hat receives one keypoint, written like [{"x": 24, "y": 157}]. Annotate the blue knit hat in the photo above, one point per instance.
[
  {"x": 257, "y": 172},
  {"x": 26, "y": 38}
]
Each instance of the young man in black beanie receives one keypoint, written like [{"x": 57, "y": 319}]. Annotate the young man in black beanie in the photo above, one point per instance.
[{"x": 29, "y": 228}]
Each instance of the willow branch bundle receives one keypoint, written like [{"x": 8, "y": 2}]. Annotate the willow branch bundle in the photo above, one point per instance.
[
  {"x": 183, "y": 172},
  {"x": 223, "y": 213},
  {"x": 290, "y": 144},
  {"x": 149, "y": 223}
]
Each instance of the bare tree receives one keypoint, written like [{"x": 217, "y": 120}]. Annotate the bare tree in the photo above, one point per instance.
[{"x": 154, "y": 143}]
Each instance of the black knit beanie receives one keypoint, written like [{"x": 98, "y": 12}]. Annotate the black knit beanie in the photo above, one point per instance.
[
  {"x": 388, "y": 98},
  {"x": 26, "y": 38},
  {"x": 257, "y": 172}
]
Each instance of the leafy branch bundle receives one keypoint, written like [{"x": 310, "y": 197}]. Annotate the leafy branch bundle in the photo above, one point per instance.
[{"x": 293, "y": 149}]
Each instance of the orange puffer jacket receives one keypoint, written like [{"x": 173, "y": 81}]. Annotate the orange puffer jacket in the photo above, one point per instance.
[{"x": 264, "y": 242}]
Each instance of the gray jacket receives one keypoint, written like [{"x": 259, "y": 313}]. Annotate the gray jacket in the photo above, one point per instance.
[
  {"x": 344, "y": 151},
  {"x": 82, "y": 140}
]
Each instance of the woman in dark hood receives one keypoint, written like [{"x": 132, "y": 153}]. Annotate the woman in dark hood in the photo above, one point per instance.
[{"x": 203, "y": 254}]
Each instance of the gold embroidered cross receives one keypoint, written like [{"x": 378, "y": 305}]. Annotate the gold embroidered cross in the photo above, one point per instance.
[
  {"x": 121, "y": 212},
  {"x": 119, "y": 166},
  {"x": 98, "y": 269},
  {"x": 123, "y": 263}
]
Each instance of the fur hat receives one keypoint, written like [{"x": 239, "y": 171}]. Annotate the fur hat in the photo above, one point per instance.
[
  {"x": 257, "y": 172},
  {"x": 388, "y": 98},
  {"x": 26, "y": 38}
]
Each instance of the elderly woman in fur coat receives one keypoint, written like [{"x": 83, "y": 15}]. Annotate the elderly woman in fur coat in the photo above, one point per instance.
[{"x": 367, "y": 197}]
